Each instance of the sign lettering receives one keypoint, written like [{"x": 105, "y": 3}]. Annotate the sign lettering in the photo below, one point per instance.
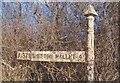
[{"x": 52, "y": 56}]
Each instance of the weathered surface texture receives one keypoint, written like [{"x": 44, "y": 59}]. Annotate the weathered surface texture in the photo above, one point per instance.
[
  {"x": 90, "y": 12},
  {"x": 52, "y": 56}
]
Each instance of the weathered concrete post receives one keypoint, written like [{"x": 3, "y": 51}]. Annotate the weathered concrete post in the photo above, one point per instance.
[{"x": 90, "y": 13}]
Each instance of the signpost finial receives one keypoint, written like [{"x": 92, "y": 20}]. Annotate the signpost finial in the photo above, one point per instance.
[{"x": 90, "y": 11}]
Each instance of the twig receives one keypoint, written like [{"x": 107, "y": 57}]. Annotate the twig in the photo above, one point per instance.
[{"x": 7, "y": 65}]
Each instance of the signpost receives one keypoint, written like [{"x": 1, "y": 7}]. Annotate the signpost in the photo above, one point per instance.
[
  {"x": 90, "y": 13},
  {"x": 52, "y": 56},
  {"x": 69, "y": 56}
]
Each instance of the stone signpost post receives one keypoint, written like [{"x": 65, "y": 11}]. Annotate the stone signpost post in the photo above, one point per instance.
[
  {"x": 90, "y": 13},
  {"x": 69, "y": 56}
]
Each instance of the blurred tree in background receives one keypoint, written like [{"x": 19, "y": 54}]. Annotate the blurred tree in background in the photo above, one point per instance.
[{"x": 47, "y": 26}]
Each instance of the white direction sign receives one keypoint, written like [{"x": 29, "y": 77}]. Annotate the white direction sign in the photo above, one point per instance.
[{"x": 52, "y": 56}]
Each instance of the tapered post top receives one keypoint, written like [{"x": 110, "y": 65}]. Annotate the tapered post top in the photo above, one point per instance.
[{"x": 90, "y": 11}]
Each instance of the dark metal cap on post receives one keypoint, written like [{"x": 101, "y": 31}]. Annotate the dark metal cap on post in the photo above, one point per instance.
[{"x": 90, "y": 11}]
